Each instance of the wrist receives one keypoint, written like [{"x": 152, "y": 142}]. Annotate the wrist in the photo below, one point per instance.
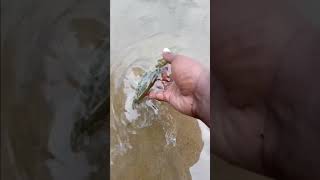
[{"x": 201, "y": 107}]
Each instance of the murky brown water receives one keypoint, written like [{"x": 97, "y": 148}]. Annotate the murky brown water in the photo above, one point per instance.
[
  {"x": 53, "y": 71},
  {"x": 53, "y": 80},
  {"x": 153, "y": 141}
]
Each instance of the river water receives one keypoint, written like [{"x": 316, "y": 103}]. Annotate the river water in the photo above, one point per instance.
[
  {"x": 153, "y": 141},
  {"x": 54, "y": 103},
  {"x": 54, "y": 71}
]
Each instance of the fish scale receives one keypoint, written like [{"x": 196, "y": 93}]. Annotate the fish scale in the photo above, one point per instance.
[{"x": 147, "y": 81}]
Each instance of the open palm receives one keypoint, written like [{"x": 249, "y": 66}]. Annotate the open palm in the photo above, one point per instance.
[{"x": 181, "y": 92}]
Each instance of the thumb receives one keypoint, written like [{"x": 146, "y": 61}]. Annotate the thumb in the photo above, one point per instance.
[
  {"x": 168, "y": 55},
  {"x": 160, "y": 96}
]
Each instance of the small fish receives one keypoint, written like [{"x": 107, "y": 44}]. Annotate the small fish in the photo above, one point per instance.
[{"x": 147, "y": 81}]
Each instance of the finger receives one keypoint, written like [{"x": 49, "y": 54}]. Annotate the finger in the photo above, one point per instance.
[
  {"x": 152, "y": 95},
  {"x": 168, "y": 56},
  {"x": 157, "y": 95},
  {"x": 160, "y": 96},
  {"x": 167, "y": 84}
]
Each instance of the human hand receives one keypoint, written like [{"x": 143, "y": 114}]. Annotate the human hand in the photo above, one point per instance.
[
  {"x": 185, "y": 92},
  {"x": 264, "y": 73}
]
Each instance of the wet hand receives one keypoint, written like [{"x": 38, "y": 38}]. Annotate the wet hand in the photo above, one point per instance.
[{"x": 182, "y": 92}]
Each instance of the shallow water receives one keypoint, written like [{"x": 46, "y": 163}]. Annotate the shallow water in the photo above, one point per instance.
[
  {"x": 53, "y": 74},
  {"x": 153, "y": 141},
  {"x": 53, "y": 80}
]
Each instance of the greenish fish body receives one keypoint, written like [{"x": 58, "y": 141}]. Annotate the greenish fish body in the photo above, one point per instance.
[{"x": 147, "y": 81}]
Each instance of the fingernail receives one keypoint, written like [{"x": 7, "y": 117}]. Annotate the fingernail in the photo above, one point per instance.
[
  {"x": 169, "y": 56},
  {"x": 166, "y": 50}
]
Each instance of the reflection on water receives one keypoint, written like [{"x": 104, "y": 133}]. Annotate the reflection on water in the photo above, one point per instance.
[
  {"x": 54, "y": 89},
  {"x": 153, "y": 141}
]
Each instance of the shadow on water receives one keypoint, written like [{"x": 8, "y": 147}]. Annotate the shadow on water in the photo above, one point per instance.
[{"x": 54, "y": 93}]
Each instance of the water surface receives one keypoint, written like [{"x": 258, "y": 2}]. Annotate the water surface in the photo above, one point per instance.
[
  {"x": 153, "y": 141},
  {"x": 53, "y": 80}
]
